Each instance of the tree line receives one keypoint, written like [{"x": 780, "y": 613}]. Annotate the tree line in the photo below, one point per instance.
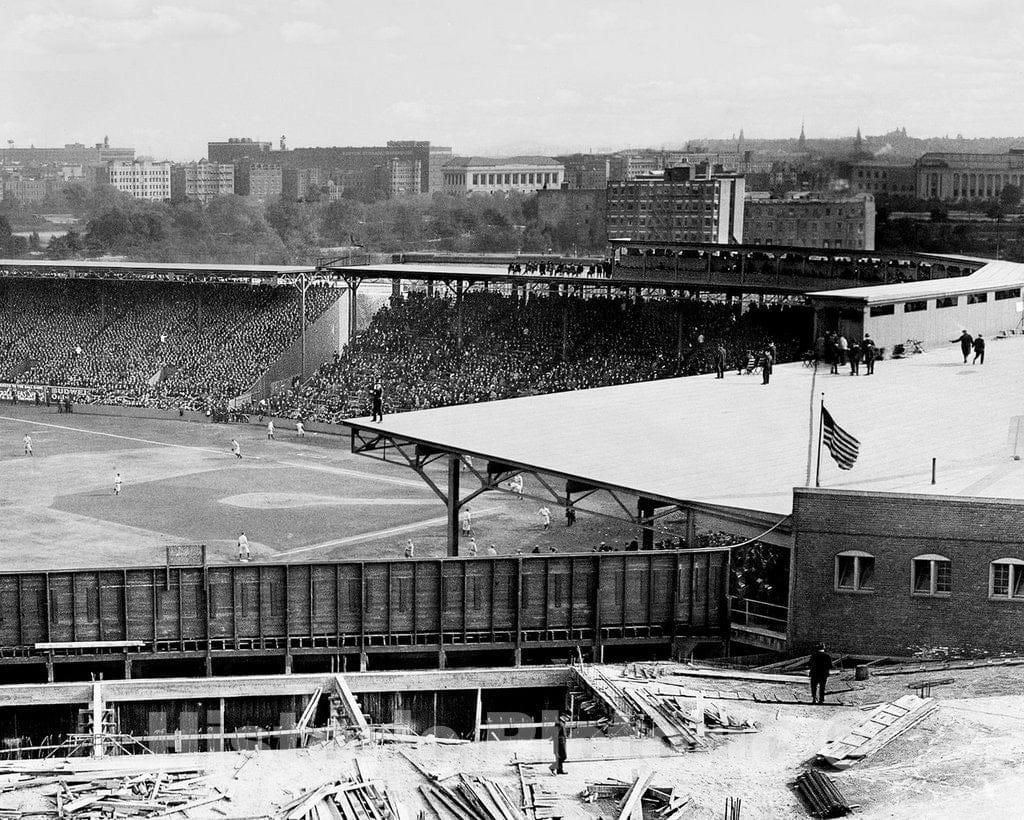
[{"x": 233, "y": 229}]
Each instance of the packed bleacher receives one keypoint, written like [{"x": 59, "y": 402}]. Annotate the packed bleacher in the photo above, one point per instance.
[
  {"x": 513, "y": 346},
  {"x": 164, "y": 345}
]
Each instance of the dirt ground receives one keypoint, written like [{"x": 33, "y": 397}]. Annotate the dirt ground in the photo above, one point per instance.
[
  {"x": 296, "y": 499},
  {"x": 961, "y": 761}
]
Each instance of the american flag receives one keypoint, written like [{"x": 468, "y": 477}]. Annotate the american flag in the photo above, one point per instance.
[{"x": 843, "y": 447}]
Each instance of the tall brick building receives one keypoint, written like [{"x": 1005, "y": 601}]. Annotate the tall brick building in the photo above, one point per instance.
[
  {"x": 400, "y": 168},
  {"x": 677, "y": 206},
  {"x": 811, "y": 221}
]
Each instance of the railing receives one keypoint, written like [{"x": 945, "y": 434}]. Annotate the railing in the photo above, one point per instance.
[{"x": 761, "y": 614}]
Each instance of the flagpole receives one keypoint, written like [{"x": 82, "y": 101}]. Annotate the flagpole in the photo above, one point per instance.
[
  {"x": 810, "y": 426},
  {"x": 821, "y": 423}
]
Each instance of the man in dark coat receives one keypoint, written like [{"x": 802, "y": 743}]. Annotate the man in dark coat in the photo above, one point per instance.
[
  {"x": 558, "y": 742},
  {"x": 720, "y": 357},
  {"x": 867, "y": 348},
  {"x": 966, "y": 342},
  {"x": 377, "y": 402},
  {"x": 979, "y": 350},
  {"x": 766, "y": 366},
  {"x": 820, "y": 666}
]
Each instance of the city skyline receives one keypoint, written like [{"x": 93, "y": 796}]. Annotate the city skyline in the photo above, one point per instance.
[{"x": 166, "y": 77}]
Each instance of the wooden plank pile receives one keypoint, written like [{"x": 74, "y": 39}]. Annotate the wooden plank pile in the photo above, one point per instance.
[
  {"x": 661, "y": 803},
  {"x": 475, "y": 798},
  {"x": 351, "y": 799},
  {"x": 683, "y": 724},
  {"x": 882, "y": 725},
  {"x": 822, "y": 795},
  {"x": 113, "y": 793}
]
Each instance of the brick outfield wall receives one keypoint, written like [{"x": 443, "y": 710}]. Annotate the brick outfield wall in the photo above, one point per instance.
[{"x": 895, "y": 528}]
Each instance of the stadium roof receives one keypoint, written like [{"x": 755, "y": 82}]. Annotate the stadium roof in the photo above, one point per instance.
[
  {"x": 992, "y": 276},
  {"x": 739, "y": 444},
  {"x": 193, "y": 267}
]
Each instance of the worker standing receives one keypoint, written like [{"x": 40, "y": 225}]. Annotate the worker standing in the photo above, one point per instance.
[
  {"x": 819, "y": 667},
  {"x": 559, "y": 743}
]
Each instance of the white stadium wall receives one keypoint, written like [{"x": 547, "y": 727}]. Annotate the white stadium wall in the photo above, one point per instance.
[{"x": 936, "y": 326}]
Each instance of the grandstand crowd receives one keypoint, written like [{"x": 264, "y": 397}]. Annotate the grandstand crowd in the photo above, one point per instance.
[
  {"x": 201, "y": 346},
  {"x": 513, "y": 346},
  {"x": 162, "y": 345}
]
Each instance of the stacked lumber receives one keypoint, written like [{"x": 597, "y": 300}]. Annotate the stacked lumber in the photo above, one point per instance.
[
  {"x": 683, "y": 724},
  {"x": 882, "y": 725},
  {"x": 89, "y": 793},
  {"x": 473, "y": 798},
  {"x": 662, "y": 803},
  {"x": 822, "y": 795},
  {"x": 351, "y": 799}
]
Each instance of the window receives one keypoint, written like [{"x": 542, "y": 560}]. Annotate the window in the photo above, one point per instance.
[
  {"x": 946, "y": 302},
  {"x": 932, "y": 575},
  {"x": 1006, "y": 579},
  {"x": 883, "y": 310},
  {"x": 1012, "y": 293},
  {"x": 914, "y": 307},
  {"x": 977, "y": 298},
  {"x": 855, "y": 571}
]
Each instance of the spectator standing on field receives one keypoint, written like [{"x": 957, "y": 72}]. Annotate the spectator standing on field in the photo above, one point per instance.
[{"x": 979, "y": 349}]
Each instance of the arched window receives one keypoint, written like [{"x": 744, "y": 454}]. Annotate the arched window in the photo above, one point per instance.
[
  {"x": 931, "y": 575},
  {"x": 855, "y": 571},
  {"x": 1006, "y": 579}
]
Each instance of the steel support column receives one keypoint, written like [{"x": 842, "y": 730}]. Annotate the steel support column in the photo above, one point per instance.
[{"x": 454, "y": 465}]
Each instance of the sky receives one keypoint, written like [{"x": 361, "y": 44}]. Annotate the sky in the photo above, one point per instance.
[{"x": 546, "y": 76}]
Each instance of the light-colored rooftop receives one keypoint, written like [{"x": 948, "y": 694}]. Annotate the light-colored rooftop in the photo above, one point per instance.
[
  {"x": 736, "y": 443},
  {"x": 197, "y": 267},
  {"x": 992, "y": 276}
]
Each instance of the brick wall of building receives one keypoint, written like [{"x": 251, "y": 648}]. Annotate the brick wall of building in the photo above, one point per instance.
[{"x": 895, "y": 528}]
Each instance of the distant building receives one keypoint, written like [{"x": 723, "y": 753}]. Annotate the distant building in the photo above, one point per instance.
[
  {"x": 71, "y": 154},
  {"x": 139, "y": 178},
  {"x": 468, "y": 175},
  {"x": 28, "y": 189},
  {"x": 261, "y": 182},
  {"x": 587, "y": 171},
  {"x": 951, "y": 177},
  {"x": 237, "y": 149},
  {"x": 400, "y": 168},
  {"x": 300, "y": 184},
  {"x": 811, "y": 221},
  {"x": 202, "y": 180},
  {"x": 882, "y": 178},
  {"x": 677, "y": 206},
  {"x": 440, "y": 155}
]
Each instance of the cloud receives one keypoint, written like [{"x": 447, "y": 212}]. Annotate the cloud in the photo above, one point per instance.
[
  {"x": 310, "y": 34},
  {"x": 412, "y": 110},
  {"x": 830, "y": 15},
  {"x": 121, "y": 28},
  {"x": 388, "y": 33}
]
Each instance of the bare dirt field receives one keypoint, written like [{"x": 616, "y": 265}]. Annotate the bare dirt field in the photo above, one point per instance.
[{"x": 296, "y": 499}]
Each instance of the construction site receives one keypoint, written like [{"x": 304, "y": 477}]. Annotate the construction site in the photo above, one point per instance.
[
  {"x": 650, "y": 659},
  {"x": 658, "y": 740}
]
